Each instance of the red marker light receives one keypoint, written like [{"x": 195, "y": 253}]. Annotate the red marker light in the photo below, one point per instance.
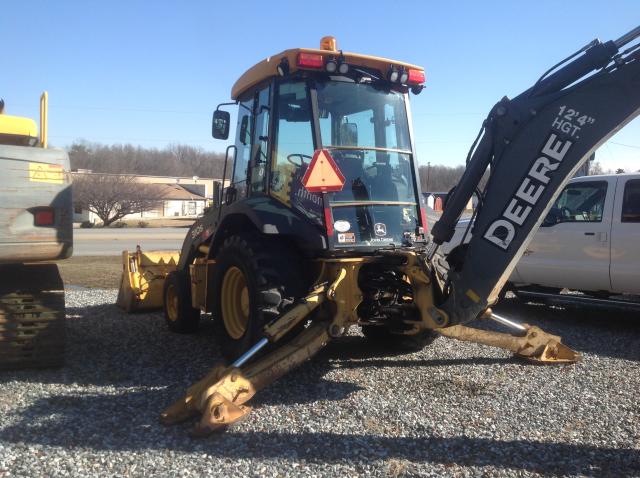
[
  {"x": 43, "y": 217},
  {"x": 328, "y": 221},
  {"x": 310, "y": 60},
  {"x": 416, "y": 77},
  {"x": 423, "y": 218}
]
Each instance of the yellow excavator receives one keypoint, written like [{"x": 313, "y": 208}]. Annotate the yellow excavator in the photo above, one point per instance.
[
  {"x": 36, "y": 226},
  {"x": 322, "y": 226}
]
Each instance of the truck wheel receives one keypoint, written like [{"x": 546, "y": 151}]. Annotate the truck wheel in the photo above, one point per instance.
[
  {"x": 254, "y": 280},
  {"x": 178, "y": 313},
  {"x": 381, "y": 335}
]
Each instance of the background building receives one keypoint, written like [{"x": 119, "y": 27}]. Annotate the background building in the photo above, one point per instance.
[{"x": 178, "y": 196}]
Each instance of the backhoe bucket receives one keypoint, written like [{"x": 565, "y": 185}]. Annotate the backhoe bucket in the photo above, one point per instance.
[{"x": 143, "y": 275}]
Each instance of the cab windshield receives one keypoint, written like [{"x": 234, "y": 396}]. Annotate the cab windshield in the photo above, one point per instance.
[
  {"x": 361, "y": 115},
  {"x": 366, "y": 130}
]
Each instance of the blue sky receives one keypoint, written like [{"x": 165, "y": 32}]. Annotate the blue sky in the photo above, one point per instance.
[{"x": 150, "y": 73}]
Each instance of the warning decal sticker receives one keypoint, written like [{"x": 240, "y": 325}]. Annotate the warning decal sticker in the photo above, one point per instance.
[{"x": 46, "y": 173}]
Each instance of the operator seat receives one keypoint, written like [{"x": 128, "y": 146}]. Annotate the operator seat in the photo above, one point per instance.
[
  {"x": 355, "y": 187},
  {"x": 382, "y": 185}
]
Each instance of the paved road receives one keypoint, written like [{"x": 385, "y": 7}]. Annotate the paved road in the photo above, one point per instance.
[{"x": 111, "y": 242}]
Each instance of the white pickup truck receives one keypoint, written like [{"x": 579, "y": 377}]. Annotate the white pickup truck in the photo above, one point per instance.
[{"x": 589, "y": 241}]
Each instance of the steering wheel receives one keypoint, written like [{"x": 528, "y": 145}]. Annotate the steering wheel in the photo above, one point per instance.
[{"x": 299, "y": 155}]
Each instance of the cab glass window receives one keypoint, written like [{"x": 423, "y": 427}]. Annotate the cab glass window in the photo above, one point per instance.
[
  {"x": 579, "y": 202},
  {"x": 243, "y": 145},
  {"x": 260, "y": 142},
  {"x": 362, "y": 115},
  {"x": 631, "y": 201},
  {"x": 294, "y": 150}
]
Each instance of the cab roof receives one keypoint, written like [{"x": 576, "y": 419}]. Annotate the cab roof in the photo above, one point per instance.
[
  {"x": 269, "y": 67},
  {"x": 18, "y": 126}
]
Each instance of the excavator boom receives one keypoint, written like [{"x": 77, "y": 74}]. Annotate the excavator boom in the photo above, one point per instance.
[{"x": 532, "y": 145}]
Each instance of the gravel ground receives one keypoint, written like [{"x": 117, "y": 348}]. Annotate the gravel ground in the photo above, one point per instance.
[{"x": 455, "y": 409}]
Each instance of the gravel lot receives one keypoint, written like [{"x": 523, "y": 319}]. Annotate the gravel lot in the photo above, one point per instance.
[{"x": 455, "y": 409}]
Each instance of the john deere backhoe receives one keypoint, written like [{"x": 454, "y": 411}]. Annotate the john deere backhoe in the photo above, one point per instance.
[{"x": 323, "y": 228}]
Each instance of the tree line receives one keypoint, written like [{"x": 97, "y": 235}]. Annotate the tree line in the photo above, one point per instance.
[
  {"x": 439, "y": 178},
  {"x": 173, "y": 160},
  {"x": 596, "y": 168},
  {"x": 184, "y": 160}
]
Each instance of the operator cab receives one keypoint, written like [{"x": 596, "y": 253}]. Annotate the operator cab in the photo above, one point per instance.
[{"x": 352, "y": 108}]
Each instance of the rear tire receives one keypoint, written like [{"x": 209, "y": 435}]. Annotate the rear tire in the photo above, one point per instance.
[
  {"x": 382, "y": 336},
  {"x": 181, "y": 317},
  {"x": 255, "y": 279}
]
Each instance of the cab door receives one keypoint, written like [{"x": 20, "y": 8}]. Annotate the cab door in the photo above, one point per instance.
[
  {"x": 572, "y": 247},
  {"x": 244, "y": 128},
  {"x": 261, "y": 142},
  {"x": 625, "y": 237}
]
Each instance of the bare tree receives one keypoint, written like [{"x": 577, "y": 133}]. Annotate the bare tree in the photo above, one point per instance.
[
  {"x": 596, "y": 169},
  {"x": 112, "y": 197},
  {"x": 439, "y": 178}
]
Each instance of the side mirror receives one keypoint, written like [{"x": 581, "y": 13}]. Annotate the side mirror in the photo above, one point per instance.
[
  {"x": 220, "y": 124},
  {"x": 553, "y": 217}
]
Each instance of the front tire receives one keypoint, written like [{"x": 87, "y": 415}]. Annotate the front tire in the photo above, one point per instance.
[
  {"x": 255, "y": 279},
  {"x": 180, "y": 316}
]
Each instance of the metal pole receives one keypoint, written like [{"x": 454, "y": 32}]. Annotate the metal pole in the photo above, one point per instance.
[
  {"x": 508, "y": 323},
  {"x": 250, "y": 353}
]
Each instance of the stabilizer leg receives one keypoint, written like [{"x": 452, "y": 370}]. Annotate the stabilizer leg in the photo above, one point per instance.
[
  {"x": 221, "y": 396},
  {"x": 533, "y": 343}
]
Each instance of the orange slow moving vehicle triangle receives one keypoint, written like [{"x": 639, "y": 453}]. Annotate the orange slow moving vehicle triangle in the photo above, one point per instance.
[{"x": 323, "y": 174}]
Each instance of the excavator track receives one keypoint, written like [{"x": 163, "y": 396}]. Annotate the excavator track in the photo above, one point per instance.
[{"x": 32, "y": 315}]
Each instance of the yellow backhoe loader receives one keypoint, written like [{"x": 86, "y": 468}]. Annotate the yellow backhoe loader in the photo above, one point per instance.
[{"x": 323, "y": 226}]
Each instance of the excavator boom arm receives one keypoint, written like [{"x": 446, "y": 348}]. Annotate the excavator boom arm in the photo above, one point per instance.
[{"x": 533, "y": 145}]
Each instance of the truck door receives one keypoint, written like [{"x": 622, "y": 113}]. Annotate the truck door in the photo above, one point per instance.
[
  {"x": 572, "y": 247},
  {"x": 625, "y": 237}
]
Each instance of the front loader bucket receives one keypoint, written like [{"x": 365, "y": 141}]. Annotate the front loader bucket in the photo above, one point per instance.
[{"x": 143, "y": 275}]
